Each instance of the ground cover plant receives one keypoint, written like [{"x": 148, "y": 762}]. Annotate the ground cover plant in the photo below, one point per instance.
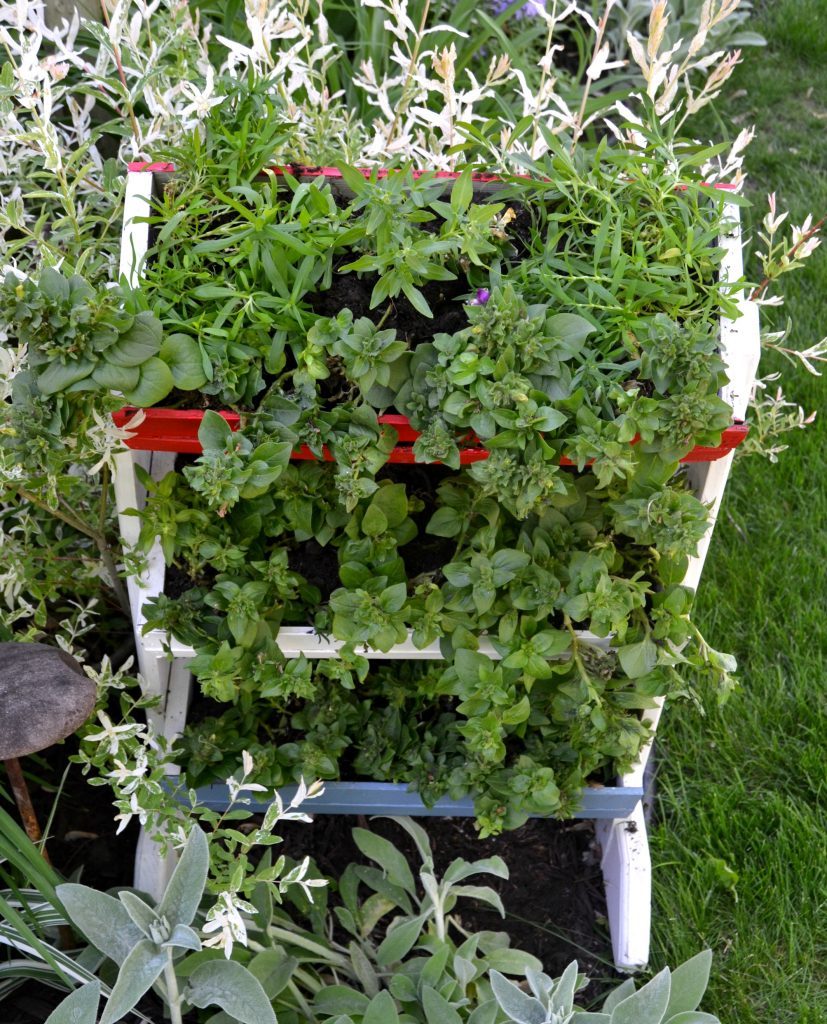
[{"x": 391, "y": 947}]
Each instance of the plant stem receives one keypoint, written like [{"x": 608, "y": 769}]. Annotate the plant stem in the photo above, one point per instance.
[
  {"x": 552, "y": 25},
  {"x": 790, "y": 254},
  {"x": 385, "y": 316},
  {"x": 116, "y": 52},
  {"x": 173, "y": 996},
  {"x": 578, "y": 128},
  {"x": 575, "y": 654},
  {"x": 100, "y": 540},
  {"x": 414, "y": 57},
  {"x": 303, "y": 1006},
  {"x": 439, "y": 921},
  {"x": 104, "y": 496}
]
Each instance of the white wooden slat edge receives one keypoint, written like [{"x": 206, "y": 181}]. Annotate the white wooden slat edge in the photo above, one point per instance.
[
  {"x": 135, "y": 236},
  {"x": 627, "y": 877},
  {"x": 296, "y": 640},
  {"x": 741, "y": 338}
]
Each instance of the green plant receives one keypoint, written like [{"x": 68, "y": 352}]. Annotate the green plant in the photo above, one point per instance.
[
  {"x": 424, "y": 966},
  {"x": 145, "y": 942},
  {"x": 80, "y": 340},
  {"x": 669, "y": 996}
]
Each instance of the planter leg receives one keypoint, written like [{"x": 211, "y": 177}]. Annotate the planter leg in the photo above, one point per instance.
[
  {"x": 178, "y": 689},
  {"x": 153, "y": 868},
  {"x": 627, "y": 876}
]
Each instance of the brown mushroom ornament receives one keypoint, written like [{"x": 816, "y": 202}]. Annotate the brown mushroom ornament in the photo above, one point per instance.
[{"x": 45, "y": 696}]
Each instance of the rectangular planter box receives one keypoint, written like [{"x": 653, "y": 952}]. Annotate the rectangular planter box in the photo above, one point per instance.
[{"x": 176, "y": 430}]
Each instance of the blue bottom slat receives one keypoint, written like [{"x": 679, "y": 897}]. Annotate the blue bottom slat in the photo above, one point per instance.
[{"x": 395, "y": 798}]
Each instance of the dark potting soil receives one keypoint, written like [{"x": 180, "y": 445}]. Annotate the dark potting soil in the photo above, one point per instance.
[
  {"x": 425, "y": 554},
  {"x": 318, "y": 564},
  {"x": 349, "y": 291},
  {"x": 554, "y": 900},
  {"x": 177, "y": 581}
]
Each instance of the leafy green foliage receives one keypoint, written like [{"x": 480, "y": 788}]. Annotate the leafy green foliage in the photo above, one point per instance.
[
  {"x": 80, "y": 339},
  {"x": 316, "y": 305},
  {"x": 523, "y": 733},
  {"x": 399, "y": 952},
  {"x": 668, "y": 997},
  {"x": 146, "y": 941}
]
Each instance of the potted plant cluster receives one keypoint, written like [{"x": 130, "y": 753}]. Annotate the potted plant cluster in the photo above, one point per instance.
[{"x": 462, "y": 405}]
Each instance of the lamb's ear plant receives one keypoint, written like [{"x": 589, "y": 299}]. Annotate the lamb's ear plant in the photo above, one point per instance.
[
  {"x": 151, "y": 943},
  {"x": 409, "y": 957},
  {"x": 670, "y": 997}
]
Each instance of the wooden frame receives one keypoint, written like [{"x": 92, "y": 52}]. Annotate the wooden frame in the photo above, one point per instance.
[{"x": 618, "y": 810}]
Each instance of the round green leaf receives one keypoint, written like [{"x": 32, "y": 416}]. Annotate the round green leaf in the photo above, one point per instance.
[
  {"x": 141, "y": 342},
  {"x": 182, "y": 355},
  {"x": 154, "y": 384},
  {"x": 116, "y": 378}
]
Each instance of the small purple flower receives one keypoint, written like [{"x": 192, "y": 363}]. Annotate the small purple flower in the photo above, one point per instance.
[
  {"x": 532, "y": 8},
  {"x": 483, "y": 295}
]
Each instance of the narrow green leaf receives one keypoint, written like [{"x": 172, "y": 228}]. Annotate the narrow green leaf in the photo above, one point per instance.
[
  {"x": 460, "y": 869},
  {"x": 386, "y": 855},
  {"x": 462, "y": 191},
  {"x": 689, "y": 982},
  {"x": 437, "y": 1009},
  {"x": 400, "y": 940},
  {"x": 382, "y": 1010},
  {"x": 273, "y": 969},
  {"x": 520, "y": 1007},
  {"x": 101, "y": 918},
  {"x": 141, "y": 913},
  {"x": 186, "y": 887},
  {"x": 617, "y": 995},
  {"x": 647, "y": 1004}
]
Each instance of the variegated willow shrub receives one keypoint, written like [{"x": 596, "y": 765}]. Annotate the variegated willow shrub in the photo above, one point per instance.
[{"x": 584, "y": 299}]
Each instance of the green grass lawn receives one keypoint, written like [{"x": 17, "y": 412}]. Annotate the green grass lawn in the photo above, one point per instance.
[{"x": 745, "y": 789}]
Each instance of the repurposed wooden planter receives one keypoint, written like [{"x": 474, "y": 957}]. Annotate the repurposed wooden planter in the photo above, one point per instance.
[
  {"x": 163, "y": 664},
  {"x": 163, "y": 661}
]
